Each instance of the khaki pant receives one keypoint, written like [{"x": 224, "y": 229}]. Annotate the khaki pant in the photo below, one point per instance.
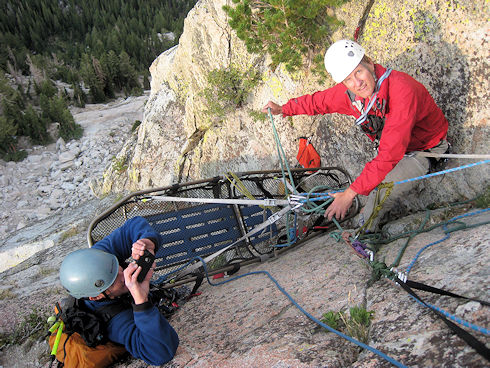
[{"x": 410, "y": 166}]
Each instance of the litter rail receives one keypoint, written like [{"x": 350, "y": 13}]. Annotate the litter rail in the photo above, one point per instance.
[{"x": 191, "y": 229}]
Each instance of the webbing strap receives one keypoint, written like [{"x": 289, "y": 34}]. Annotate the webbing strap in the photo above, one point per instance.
[
  {"x": 389, "y": 187},
  {"x": 467, "y": 337},
  {"x": 431, "y": 289},
  {"x": 107, "y": 312},
  {"x": 361, "y": 119},
  {"x": 247, "y": 202},
  {"x": 199, "y": 279}
]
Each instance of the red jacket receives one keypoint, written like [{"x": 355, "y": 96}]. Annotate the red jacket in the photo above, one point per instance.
[{"x": 413, "y": 121}]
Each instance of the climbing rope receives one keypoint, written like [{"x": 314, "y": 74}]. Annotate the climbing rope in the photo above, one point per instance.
[
  {"x": 380, "y": 269},
  {"x": 308, "y": 205},
  {"x": 398, "y": 258},
  {"x": 282, "y": 156},
  {"x": 448, "y": 232},
  {"x": 442, "y": 172},
  {"x": 461, "y": 321},
  {"x": 307, "y": 314},
  {"x": 238, "y": 184},
  {"x": 452, "y": 155}
]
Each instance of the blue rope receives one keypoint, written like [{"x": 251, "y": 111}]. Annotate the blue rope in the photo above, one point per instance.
[
  {"x": 448, "y": 234},
  {"x": 443, "y": 172},
  {"x": 311, "y": 317},
  {"x": 312, "y": 197},
  {"x": 291, "y": 235},
  {"x": 454, "y": 318},
  {"x": 457, "y": 319}
]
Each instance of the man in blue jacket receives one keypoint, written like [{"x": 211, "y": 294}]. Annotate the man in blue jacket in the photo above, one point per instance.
[{"x": 96, "y": 275}]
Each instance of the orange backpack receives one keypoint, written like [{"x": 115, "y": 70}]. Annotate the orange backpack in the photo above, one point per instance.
[
  {"x": 73, "y": 352},
  {"x": 80, "y": 335},
  {"x": 307, "y": 156}
]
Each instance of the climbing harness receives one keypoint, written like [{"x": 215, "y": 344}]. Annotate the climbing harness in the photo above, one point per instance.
[{"x": 364, "y": 114}]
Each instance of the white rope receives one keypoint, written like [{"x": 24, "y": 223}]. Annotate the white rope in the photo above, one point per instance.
[{"x": 452, "y": 155}]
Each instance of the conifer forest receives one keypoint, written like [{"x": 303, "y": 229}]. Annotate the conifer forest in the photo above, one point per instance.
[{"x": 55, "y": 53}]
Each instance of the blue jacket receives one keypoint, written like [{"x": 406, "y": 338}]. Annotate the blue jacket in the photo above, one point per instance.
[{"x": 143, "y": 330}]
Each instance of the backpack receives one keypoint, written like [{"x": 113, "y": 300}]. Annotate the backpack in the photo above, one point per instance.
[
  {"x": 307, "y": 155},
  {"x": 73, "y": 352},
  {"x": 82, "y": 341}
]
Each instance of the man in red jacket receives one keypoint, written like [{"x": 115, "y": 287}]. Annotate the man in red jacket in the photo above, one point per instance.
[{"x": 394, "y": 110}]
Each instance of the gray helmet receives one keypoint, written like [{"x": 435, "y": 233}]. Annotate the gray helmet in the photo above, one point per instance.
[{"x": 88, "y": 272}]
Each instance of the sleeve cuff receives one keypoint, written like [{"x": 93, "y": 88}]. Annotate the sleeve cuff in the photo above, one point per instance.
[
  {"x": 156, "y": 242},
  {"x": 142, "y": 307}
]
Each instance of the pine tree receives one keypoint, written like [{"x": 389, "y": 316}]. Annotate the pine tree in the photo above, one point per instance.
[
  {"x": 286, "y": 30},
  {"x": 93, "y": 77},
  {"x": 79, "y": 97},
  {"x": 7, "y": 134},
  {"x": 33, "y": 126},
  {"x": 128, "y": 75}
]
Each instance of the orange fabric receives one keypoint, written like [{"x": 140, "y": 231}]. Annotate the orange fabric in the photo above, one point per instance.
[
  {"x": 79, "y": 355},
  {"x": 307, "y": 155}
]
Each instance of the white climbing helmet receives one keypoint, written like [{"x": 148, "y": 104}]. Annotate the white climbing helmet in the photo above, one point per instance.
[{"x": 342, "y": 58}]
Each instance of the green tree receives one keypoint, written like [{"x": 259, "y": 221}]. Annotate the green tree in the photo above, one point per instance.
[
  {"x": 33, "y": 126},
  {"x": 110, "y": 66},
  {"x": 13, "y": 105},
  {"x": 46, "y": 88},
  {"x": 55, "y": 110},
  {"x": 228, "y": 89},
  {"x": 106, "y": 45},
  {"x": 93, "y": 77},
  {"x": 7, "y": 135},
  {"x": 287, "y": 30},
  {"x": 79, "y": 96},
  {"x": 127, "y": 74}
]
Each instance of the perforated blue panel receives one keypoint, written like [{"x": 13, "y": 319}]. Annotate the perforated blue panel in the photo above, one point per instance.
[{"x": 193, "y": 231}]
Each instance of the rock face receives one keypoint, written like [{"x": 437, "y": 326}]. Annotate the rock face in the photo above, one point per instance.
[
  {"x": 441, "y": 44},
  {"x": 249, "y": 323}
]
